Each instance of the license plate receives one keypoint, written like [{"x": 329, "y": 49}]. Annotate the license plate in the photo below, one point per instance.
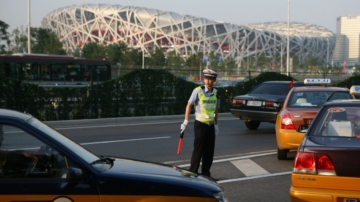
[
  {"x": 351, "y": 200},
  {"x": 254, "y": 103}
]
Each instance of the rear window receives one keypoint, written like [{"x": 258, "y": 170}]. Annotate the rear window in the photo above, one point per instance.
[
  {"x": 271, "y": 89},
  {"x": 338, "y": 122},
  {"x": 308, "y": 99}
]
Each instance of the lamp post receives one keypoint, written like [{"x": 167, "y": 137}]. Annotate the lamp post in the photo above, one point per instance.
[
  {"x": 281, "y": 54},
  {"x": 327, "y": 51},
  {"x": 288, "y": 41},
  {"x": 29, "y": 27},
  {"x": 143, "y": 58}
]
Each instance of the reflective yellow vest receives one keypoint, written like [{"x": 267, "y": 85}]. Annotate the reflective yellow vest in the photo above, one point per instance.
[{"x": 207, "y": 106}]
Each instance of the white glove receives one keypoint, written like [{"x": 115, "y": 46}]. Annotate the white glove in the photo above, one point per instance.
[
  {"x": 216, "y": 126},
  {"x": 183, "y": 126}
]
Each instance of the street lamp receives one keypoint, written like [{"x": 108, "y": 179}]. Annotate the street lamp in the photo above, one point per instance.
[
  {"x": 281, "y": 54},
  {"x": 29, "y": 27},
  {"x": 327, "y": 50},
  {"x": 288, "y": 41}
]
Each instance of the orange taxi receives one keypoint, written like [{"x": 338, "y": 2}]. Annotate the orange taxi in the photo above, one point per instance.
[{"x": 299, "y": 109}]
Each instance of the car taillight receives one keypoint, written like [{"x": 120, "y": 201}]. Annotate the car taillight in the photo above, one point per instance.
[
  {"x": 238, "y": 102},
  {"x": 286, "y": 122},
  {"x": 268, "y": 104},
  {"x": 310, "y": 163},
  {"x": 324, "y": 165}
]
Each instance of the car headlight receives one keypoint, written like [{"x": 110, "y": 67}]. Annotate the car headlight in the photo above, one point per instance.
[{"x": 220, "y": 196}]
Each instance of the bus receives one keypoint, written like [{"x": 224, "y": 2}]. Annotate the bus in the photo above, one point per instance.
[{"x": 46, "y": 69}]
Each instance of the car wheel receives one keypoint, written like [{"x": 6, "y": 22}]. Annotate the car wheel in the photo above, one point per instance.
[
  {"x": 282, "y": 154},
  {"x": 252, "y": 125}
]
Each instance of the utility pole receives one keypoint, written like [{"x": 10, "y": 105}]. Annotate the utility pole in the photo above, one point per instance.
[
  {"x": 29, "y": 27},
  {"x": 288, "y": 42}
]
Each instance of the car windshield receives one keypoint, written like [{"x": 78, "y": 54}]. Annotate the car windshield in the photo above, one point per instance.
[
  {"x": 271, "y": 89},
  {"x": 337, "y": 122},
  {"x": 308, "y": 98},
  {"x": 64, "y": 141},
  {"x": 229, "y": 83}
]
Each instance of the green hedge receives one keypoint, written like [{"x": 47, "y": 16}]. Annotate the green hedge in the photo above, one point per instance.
[{"x": 142, "y": 92}]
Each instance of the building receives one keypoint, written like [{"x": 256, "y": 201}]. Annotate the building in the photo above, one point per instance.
[
  {"x": 347, "y": 52},
  {"x": 145, "y": 28}
]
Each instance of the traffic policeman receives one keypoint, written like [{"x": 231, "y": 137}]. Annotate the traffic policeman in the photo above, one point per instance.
[{"x": 206, "y": 103}]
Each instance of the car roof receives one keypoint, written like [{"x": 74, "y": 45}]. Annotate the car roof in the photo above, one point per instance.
[
  {"x": 347, "y": 102},
  {"x": 281, "y": 82},
  {"x": 318, "y": 88},
  {"x": 14, "y": 114}
]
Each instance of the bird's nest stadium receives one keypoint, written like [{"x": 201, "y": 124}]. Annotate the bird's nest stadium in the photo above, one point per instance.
[{"x": 145, "y": 28}]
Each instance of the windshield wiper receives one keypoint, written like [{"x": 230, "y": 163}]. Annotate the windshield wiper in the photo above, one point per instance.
[{"x": 103, "y": 159}]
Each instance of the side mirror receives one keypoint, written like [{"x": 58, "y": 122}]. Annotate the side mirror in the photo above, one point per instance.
[
  {"x": 74, "y": 174},
  {"x": 303, "y": 128}
]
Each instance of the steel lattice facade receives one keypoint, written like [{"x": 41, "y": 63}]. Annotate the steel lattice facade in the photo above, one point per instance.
[{"x": 145, "y": 28}]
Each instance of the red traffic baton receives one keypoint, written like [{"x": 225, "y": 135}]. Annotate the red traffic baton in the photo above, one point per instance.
[{"x": 180, "y": 142}]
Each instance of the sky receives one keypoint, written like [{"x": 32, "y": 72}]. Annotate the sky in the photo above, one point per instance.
[{"x": 318, "y": 12}]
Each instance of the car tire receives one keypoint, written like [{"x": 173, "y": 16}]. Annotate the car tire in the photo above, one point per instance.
[
  {"x": 252, "y": 125},
  {"x": 282, "y": 154}
]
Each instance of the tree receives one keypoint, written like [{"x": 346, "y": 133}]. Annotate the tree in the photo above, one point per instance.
[
  {"x": 45, "y": 41},
  {"x": 19, "y": 40},
  {"x": 311, "y": 64},
  {"x": 115, "y": 52},
  {"x": 295, "y": 63},
  {"x": 356, "y": 70},
  {"x": 262, "y": 61},
  {"x": 228, "y": 64},
  {"x": 195, "y": 61},
  {"x": 174, "y": 60},
  {"x": 131, "y": 58},
  {"x": 4, "y": 36},
  {"x": 214, "y": 60},
  {"x": 157, "y": 58},
  {"x": 94, "y": 50},
  {"x": 76, "y": 52}
]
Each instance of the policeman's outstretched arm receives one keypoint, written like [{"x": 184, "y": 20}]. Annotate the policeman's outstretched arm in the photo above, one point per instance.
[{"x": 187, "y": 116}]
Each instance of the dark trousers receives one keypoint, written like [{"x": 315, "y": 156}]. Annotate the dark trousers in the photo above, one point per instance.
[{"x": 204, "y": 146}]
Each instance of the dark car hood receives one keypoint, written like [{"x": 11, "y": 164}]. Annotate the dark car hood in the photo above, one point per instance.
[
  {"x": 274, "y": 98},
  {"x": 147, "y": 168},
  {"x": 153, "y": 178}
]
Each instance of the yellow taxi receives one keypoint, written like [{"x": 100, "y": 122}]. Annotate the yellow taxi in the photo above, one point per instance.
[
  {"x": 299, "y": 109},
  {"x": 327, "y": 165}
]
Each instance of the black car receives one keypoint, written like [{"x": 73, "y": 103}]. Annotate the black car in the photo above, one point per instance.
[
  {"x": 263, "y": 103},
  {"x": 37, "y": 163},
  {"x": 327, "y": 165}
]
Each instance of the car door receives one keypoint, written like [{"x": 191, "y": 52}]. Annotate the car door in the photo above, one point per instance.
[{"x": 31, "y": 170}]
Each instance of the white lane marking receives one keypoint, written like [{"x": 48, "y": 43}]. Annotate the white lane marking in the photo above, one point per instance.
[
  {"x": 225, "y": 156},
  {"x": 234, "y": 158},
  {"x": 253, "y": 177},
  {"x": 249, "y": 167},
  {"x": 128, "y": 140},
  {"x": 126, "y": 124},
  {"x": 257, "y": 152}
]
